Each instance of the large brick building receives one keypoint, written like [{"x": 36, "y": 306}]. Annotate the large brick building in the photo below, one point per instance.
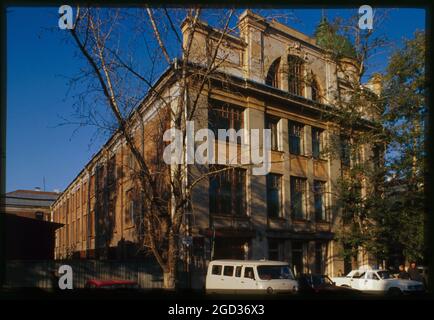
[{"x": 289, "y": 214}]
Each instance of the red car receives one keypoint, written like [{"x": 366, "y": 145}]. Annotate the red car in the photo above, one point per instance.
[{"x": 111, "y": 284}]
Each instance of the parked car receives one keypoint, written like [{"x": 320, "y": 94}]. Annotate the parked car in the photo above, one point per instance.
[
  {"x": 378, "y": 281},
  {"x": 322, "y": 284},
  {"x": 424, "y": 272},
  {"x": 250, "y": 276},
  {"x": 111, "y": 284}
]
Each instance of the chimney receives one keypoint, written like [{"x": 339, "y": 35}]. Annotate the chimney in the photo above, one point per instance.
[{"x": 252, "y": 27}]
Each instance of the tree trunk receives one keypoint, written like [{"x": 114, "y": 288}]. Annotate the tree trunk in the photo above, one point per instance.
[
  {"x": 169, "y": 280},
  {"x": 170, "y": 274}
]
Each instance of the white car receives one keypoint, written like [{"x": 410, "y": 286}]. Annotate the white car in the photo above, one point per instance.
[
  {"x": 250, "y": 276},
  {"x": 378, "y": 281}
]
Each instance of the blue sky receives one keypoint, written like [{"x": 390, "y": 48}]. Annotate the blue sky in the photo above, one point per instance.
[{"x": 38, "y": 64}]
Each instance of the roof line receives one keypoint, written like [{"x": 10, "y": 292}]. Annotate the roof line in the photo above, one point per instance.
[{"x": 109, "y": 140}]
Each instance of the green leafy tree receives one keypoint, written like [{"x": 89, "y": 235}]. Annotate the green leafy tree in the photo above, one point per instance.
[
  {"x": 359, "y": 141},
  {"x": 381, "y": 194},
  {"x": 404, "y": 117}
]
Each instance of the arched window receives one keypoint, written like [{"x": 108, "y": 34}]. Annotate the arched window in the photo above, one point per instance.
[
  {"x": 316, "y": 93},
  {"x": 273, "y": 74},
  {"x": 295, "y": 75}
]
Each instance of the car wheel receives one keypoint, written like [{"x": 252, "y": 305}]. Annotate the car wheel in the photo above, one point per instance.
[{"x": 394, "y": 292}]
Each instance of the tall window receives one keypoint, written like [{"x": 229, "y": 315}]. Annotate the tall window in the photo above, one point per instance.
[
  {"x": 295, "y": 75},
  {"x": 274, "y": 186},
  {"x": 295, "y": 137},
  {"x": 316, "y": 142},
  {"x": 224, "y": 116},
  {"x": 271, "y": 123},
  {"x": 273, "y": 249},
  {"x": 377, "y": 155},
  {"x": 100, "y": 177},
  {"x": 92, "y": 185},
  {"x": 319, "y": 257},
  {"x": 297, "y": 257},
  {"x": 92, "y": 223},
  {"x": 112, "y": 210},
  {"x": 315, "y": 92},
  {"x": 131, "y": 161},
  {"x": 72, "y": 225},
  {"x": 298, "y": 197},
  {"x": 273, "y": 74},
  {"x": 111, "y": 170},
  {"x": 318, "y": 191},
  {"x": 85, "y": 227},
  {"x": 345, "y": 150},
  {"x": 227, "y": 192},
  {"x": 78, "y": 230},
  {"x": 132, "y": 209}
]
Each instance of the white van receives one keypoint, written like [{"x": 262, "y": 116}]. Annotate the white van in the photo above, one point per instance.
[{"x": 250, "y": 276}]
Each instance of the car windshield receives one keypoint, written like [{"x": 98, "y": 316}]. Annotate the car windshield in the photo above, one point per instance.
[
  {"x": 275, "y": 272},
  {"x": 384, "y": 274}
]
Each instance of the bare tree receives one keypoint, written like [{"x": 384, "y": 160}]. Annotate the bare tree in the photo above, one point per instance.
[{"x": 118, "y": 81}]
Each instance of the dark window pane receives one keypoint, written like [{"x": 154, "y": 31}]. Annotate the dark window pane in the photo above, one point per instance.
[
  {"x": 271, "y": 123},
  {"x": 295, "y": 137},
  {"x": 295, "y": 75},
  {"x": 248, "y": 273},
  {"x": 238, "y": 271},
  {"x": 111, "y": 170},
  {"x": 345, "y": 151},
  {"x": 273, "y": 74},
  {"x": 239, "y": 188},
  {"x": 316, "y": 142},
  {"x": 319, "y": 258},
  {"x": 297, "y": 256},
  {"x": 273, "y": 249},
  {"x": 228, "y": 271},
  {"x": 318, "y": 187},
  {"x": 216, "y": 270},
  {"x": 273, "y": 195},
  {"x": 316, "y": 95},
  {"x": 224, "y": 116},
  {"x": 227, "y": 192},
  {"x": 297, "y": 197}
]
